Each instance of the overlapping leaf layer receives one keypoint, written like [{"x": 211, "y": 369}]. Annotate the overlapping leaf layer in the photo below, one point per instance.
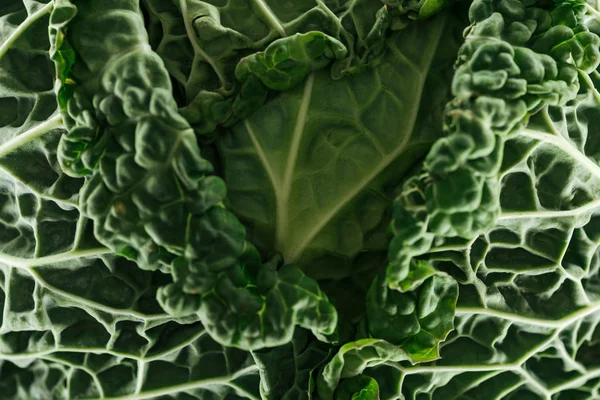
[{"x": 316, "y": 199}]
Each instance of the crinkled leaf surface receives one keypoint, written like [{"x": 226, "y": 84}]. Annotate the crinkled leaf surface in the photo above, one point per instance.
[
  {"x": 202, "y": 41},
  {"x": 528, "y": 320},
  {"x": 79, "y": 322},
  {"x": 527, "y": 324},
  {"x": 290, "y": 371}
]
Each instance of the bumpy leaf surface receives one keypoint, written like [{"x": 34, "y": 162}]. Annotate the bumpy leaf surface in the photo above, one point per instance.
[
  {"x": 124, "y": 274},
  {"x": 76, "y": 321},
  {"x": 527, "y": 319}
]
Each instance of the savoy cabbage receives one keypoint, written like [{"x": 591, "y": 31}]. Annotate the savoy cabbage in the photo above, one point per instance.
[{"x": 308, "y": 199}]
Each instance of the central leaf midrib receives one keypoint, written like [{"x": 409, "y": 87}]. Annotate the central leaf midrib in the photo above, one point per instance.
[{"x": 282, "y": 197}]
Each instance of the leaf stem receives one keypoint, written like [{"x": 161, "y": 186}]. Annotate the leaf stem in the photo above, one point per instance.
[
  {"x": 197, "y": 49},
  {"x": 589, "y": 82},
  {"x": 270, "y": 17},
  {"x": 31, "y": 134},
  {"x": 30, "y": 20}
]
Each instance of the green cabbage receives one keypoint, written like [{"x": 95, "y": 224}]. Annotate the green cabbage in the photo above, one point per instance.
[{"x": 311, "y": 199}]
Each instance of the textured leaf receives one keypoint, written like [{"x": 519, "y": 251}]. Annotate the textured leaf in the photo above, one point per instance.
[
  {"x": 352, "y": 359},
  {"x": 290, "y": 371},
  {"x": 124, "y": 274},
  {"x": 417, "y": 320},
  {"x": 527, "y": 314},
  {"x": 202, "y": 41},
  {"x": 152, "y": 196},
  {"x": 77, "y": 322}
]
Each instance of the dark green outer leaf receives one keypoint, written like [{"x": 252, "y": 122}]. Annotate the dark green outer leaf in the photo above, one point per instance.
[{"x": 76, "y": 322}]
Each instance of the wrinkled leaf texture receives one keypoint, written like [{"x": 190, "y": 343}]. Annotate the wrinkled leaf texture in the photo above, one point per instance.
[{"x": 78, "y": 321}]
